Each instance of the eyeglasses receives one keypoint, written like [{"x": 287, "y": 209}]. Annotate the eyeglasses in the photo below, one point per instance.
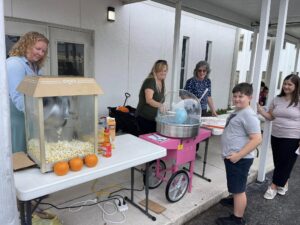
[{"x": 204, "y": 71}]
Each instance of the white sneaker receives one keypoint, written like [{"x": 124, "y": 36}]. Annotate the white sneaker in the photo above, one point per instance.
[
  {"x": 282, "y": 190},
  {"x": 270, "y": 193}
]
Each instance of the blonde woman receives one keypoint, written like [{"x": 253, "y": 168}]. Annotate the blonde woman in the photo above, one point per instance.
[
  {"x": 150, "y": 97},
  {"x": 25, "y": 59}
]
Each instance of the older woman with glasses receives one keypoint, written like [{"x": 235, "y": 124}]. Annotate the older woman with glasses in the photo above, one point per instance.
[{"x": 198, "y": 84}]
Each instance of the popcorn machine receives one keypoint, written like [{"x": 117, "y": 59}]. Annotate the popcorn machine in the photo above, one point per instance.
[{"x": 60, "y": 118}]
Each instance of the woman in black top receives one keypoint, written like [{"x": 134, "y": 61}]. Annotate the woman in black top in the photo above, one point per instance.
[{"x": 150, "y": 97}]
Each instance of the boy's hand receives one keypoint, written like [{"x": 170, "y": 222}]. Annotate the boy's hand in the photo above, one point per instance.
[{"x": 234, "y": 157}]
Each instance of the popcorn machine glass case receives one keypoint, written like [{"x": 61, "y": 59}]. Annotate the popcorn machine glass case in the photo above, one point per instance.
[{"x": 60, "y": 118}]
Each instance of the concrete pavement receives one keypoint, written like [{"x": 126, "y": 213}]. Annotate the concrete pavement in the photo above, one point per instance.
[
  {"x": 203, "y": 195},
  {"x": 282, "y": 210}
]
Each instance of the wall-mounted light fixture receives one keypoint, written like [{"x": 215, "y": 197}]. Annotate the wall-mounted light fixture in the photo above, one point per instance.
[{"x": 111, "y": 15}]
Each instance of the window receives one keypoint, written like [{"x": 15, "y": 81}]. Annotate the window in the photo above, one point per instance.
[
  {"x": 10, "y": 40},
  {"x": 183, "y": 66},
  {"x": 264, "y": 76},
  {"x": 241, "y": 43},
  {"x": 248, "y": 78},
  {"x": 208, "y": 51},
  {"x": 251, "y": 43},
  {"x": 268, "y": 44},
  {"x": 70, "y": 59},
  {"x": 237, "y": 77},
  {"x": 279, "y": 81}
]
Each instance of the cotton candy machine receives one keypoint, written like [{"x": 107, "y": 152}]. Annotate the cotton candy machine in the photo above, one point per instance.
[{"x": 180, "y": 115}]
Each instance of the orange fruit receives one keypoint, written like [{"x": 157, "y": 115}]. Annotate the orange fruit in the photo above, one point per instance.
[
  {"x": 61, "y": 168},
  {"x": 76, "y": 164},
  {"x": 91, "y": 160}
]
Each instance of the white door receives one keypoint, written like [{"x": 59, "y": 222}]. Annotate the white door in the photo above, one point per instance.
[{"x": 71, "y": 52}]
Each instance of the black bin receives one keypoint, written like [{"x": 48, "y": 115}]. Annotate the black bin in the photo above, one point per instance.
[{"x": 125, "y": 121}]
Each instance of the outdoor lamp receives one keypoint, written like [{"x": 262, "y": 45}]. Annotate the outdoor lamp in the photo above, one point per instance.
[{"x": 111, "y": 16}]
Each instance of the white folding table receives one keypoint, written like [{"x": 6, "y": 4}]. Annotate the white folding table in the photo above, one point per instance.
[{"x": 130, "y": 151}]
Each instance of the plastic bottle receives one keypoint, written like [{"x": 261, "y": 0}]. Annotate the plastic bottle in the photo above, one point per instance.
[
  {"x": 106, "y": 150},
  {"x": 106, "y": 135},
  {"x": 106, "y": 145}
]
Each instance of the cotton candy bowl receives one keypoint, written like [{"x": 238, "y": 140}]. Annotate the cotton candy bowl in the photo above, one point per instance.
[{"x": 179, "y": 116}]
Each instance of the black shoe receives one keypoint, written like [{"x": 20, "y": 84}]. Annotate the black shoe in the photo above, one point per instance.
[
  {"x": 227, "y": 201},
  {"x": 231, "y": 220}
]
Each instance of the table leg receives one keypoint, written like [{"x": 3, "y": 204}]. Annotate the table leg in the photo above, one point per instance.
[
  {"x": 28, "y": 213},
  {"x": 145, "y": 211},
  {"x": 132, "y": 185},
  {"x": 204, "y": 163},
  {"x": 22, "y": 212},
  {"x": 25, "y": 212}
]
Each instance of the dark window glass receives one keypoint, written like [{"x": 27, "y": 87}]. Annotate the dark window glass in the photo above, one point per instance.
[
  {"x": 183, "y": 60},
  {"x": 10, "y": 40},
  {"x": 70, "y": 59}
]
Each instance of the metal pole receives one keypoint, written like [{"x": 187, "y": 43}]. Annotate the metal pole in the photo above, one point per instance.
[
  {"x": 234, "y": 64},
  {"x": 8, "y": 211},
  {"x": 273, "y": 84},
  {"x": 261, "y": 46},
  {"x": 253, "y": 52},
  {"x": 175, "y": 60}
]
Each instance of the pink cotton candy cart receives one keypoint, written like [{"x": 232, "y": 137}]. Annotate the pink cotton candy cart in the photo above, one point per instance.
[{"x": 179, "y": 152}]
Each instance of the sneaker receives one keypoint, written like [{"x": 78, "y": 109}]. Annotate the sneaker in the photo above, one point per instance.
[
  {"x": 227, "y": 201},
  {"x": 282, "y": 190},
  {"x": 231, "y": 220},
  {"x": 270, "y": 193}
]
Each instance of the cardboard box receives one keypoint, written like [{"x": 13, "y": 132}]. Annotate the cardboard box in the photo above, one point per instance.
[{"x": 21, "y": 161}]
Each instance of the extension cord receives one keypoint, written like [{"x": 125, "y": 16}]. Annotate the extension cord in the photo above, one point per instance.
[{"x": 122, "y": 207}]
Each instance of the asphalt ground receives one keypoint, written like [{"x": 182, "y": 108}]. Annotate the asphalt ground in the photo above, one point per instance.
[{"x": 282, "y": 210}]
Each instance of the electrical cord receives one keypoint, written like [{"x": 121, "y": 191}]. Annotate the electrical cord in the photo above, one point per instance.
[
  {"x": 104, "y": 212},
  {"x": 125, "y": 189},
  {"x": 84, "y": 203},
  {"x": 77, "y": 206}
]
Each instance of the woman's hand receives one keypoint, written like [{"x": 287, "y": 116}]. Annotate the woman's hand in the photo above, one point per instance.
[
  {"x": 162, "y": 108},
  {"x": 267, "y": 115},
  {"x": 260, "y": 109}
]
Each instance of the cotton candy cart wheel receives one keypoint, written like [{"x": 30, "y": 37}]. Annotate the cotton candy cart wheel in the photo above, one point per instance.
[
  {"x": 177, "y": 186},
  {"x": 155, "y": 181}
]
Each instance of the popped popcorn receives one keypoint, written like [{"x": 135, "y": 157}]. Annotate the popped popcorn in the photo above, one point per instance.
[{"x": 61, "y": 150}]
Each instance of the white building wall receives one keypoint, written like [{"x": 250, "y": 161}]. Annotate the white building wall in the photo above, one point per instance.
[
  {"x": 287, "y": 60},
  {"x": 244, "y": 56},
  {"x": 126, "y": 49}
]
